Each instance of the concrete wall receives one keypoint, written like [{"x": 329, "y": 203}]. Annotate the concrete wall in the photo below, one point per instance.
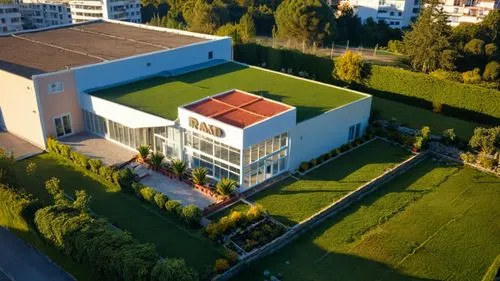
[
  {"x": 19, "y": 109},
  {"x": 57, "y": 104},
  {"x": 316, "y": 136},
  {"x": 129, "y": 69}
]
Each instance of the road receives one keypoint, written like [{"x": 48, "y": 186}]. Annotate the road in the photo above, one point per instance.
[{"x": 21, "y": 262}]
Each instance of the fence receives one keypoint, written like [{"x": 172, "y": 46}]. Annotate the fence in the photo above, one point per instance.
[{"x": 322, "y": 215}]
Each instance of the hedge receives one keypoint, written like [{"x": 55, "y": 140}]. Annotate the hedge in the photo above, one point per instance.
[{"x": 463, "y": 101}]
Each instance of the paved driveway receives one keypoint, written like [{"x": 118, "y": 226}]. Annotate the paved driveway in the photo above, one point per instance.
[
  {"x": 21, "y": 148},
  {"x": 21, "y": 262}
]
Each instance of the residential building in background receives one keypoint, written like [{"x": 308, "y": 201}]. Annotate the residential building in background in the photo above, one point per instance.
[
  {"x": 396, "y": 13},
  {"x": 470, "y": 11},
  {"x": 10, "y": 18},
  {"x": 123, "y": 10},
  {"x": 44, "y": 13}
]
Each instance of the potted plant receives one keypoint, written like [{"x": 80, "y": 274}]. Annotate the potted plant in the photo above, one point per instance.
[
  {"x": 156, "y": 160},
  {"x": 178, "y": 166},
  {"x": 199, "y": 176},
  {"x": 225, "y": 187},
  {"x": 143, "y": 153}
]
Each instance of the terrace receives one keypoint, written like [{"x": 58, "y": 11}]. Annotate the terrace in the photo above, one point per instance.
[{"x": 162, "y": 95}]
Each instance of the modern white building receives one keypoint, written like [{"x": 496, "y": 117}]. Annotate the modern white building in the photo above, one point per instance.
[
  {"x": 10, "y": 18},
  {"x": 44, "y": 13},
  {"x": 179, "y": 92},
  {"x": 123, "y": 10},
  {"x": 396, "y": 13},
  {"x": 468, "y": 11}
]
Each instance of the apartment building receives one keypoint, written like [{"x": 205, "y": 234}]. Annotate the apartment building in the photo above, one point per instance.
[
  {"x": 10, "y": 18},
  {"x": 468, "y": 11},
  {"x": 123, "y": 10},
  {"x": 44, "y": 13},
  {"x": 396, "y": 13}
]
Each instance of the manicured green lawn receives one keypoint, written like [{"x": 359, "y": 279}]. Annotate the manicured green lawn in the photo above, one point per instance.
[
  {"x": 292, "y": 201},
  {"x": 162, "y": 96},
  {"x": 171, "y": 238},
  {"x": 434, "y": 222},
  {"x": 416, "y": 117}
]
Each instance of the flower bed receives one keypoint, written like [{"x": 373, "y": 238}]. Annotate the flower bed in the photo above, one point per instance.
[{"x": 258, "y": 235}]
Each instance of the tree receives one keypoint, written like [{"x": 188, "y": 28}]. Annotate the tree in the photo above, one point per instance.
[
  {"x": 246, "y": 28},
  {"x": 472, "y": 77},
  {"x": 348, "y": 24},
  {"x": 486, "y": 139},
  {"x": 226, "y": 186},
  {"x": 475, "y": 47},
  {"x": 201, "y": 18},
  {"x": 172, "y": 270},
  {"x": 427, "y": 40},
  {"x": 199, "y": 175},
  {"x": 178, "y": 166},
  {"x": 349, "y": 68},
  {"x": 491, "y": 24},
  {"x": 308, "y": 21},
  {"x": 492, "y": 71}
]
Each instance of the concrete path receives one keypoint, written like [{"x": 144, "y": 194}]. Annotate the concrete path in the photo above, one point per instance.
[
  {"x": 21, "y": 148},
  {"x": 93, "y": 146},
  {"x": 21, "y": 262}
]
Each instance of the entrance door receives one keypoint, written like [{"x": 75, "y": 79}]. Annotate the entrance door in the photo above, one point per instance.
[
  {"x": 63, "y": 125},
  {"x": 269, "y": 169}
]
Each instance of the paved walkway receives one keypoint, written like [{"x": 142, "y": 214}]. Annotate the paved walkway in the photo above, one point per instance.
[
  {"x": 21, "y": 262},
  {"x": 21, "y": 148},
  {"x": 174, "y": 189},
  {"x": 93, "y": 146}
]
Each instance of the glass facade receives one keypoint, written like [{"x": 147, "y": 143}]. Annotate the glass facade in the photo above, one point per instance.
[
  {"x": 265, "y": 160},
  {"x": 167, "y": 140}
]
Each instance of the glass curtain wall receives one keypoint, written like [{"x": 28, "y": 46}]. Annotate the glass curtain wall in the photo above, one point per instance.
[
  {"x": 221, "y": 160},
  {"x": 167, "y": 141},
  {"x": 265, "y": 160}
]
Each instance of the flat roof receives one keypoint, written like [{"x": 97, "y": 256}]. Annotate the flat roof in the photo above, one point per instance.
[
  {"x": 237, "y": 108},
  {"x": 162, "y": 96},
  {"x": 59, "y": 48}
]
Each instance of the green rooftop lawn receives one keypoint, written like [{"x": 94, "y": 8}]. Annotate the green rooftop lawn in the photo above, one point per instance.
[
  {"x": 128, "y": 213},
  {"x": 291, "y": 201},
  {"x": 162, "y": 96},
  {"x": 434, "y": 222}
]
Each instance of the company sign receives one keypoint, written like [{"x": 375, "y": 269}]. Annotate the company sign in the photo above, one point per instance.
[{"x": 206, "y": 128}]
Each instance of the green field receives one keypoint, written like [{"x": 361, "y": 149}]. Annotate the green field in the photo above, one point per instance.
[
  {"x": 416, "y": 117},
  {"x": 143, "y": 221},
  {"x": 435, "y": 222},
  {"x": 291, "y": 201},
  {"x": 162, "y": 96}
]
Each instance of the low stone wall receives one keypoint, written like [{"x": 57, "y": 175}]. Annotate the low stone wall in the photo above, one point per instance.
[
  {"x": 322, "y": 215},
  {"x": 459, "y": 161}
]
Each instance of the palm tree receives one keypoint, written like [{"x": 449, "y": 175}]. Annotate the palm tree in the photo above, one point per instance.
[
  {"x": 226, "y": 186},
  {"x": 199, "y": 175},
  {"x": 156, "y": 160},
  {"x": 179, "y": 167},
  {"x": 143, "y": 152}
]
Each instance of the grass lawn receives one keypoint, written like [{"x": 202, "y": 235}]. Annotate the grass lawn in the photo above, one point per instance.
[
  {"x": 432, "y": 223},
  {"x": 416, "y": 117},
  {"x": 125, "y": 211},
  {"x": 292, "y": 201},
  {"x": 11, "y": 219},
  {"x": 239, "y": 206},
  {"x": 162, "y": 96}
]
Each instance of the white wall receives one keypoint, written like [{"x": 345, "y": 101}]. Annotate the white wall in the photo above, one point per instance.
[
  {"x": 316, "y": 136},
  {"x": 269, "y": 128},
  {"x": 120, "y": 71}
]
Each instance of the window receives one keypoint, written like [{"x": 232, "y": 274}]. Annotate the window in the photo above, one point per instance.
[
  {"x": 210, "y": 55},
  {"x": 354, "y": 132},
  {"x": 56, "y": 87},
  {"x": 391, "y": 13},
  {"x": 416, "y": 10},
  {"x": 62, "y": 125}
]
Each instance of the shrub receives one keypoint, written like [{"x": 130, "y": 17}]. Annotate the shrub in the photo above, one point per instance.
[
  {"x": 137, "y": 187},
  {"x": 31, "y": 168},
  {"x": 173, "y": 206},
  {"x": 95, "y": 164},
  {"x": 178, "y": 166},
  {"x": 232, "y": 256},
  {"x": 449, "y": 136},
  {"x": 447, "y": 75},
  {"x": 472, "y": 77},
  {"x": 255, "y": 212},
  {"x": 226, "y": 186},
  {"x": 65, "y": 151},
  {"x": 468, "y": 157},
  {"x": 486, "y": 161},
  {"x": 173, "y": 269},
  {"x": 221, "y": 265},
  {"x": 491, "y": 50},
  {"x": 304, "y": 166},
  {"x": 191, "y": 214},
  {"x": 395, "y": 46},
  {"x": 344, "y": 147},
  {"x": 199, "y": 175},
  {"x": 350, "y": 68},
  {"x": 143, "y": 152},
  {"x": 125, "y": 179},
  {"x": 160, "y": 200},
  {"x": 314, "y": 162},
  {"x": 106, "y": 172},
  {"x": 437, "y": 107},
  {"x": 7, "y": 173},
  {"x": 486, "y": 139},
  {"x": 147, "y": 193},
  {"x": 116, "y": 177},
  {"x": 156, "y": 160},
  {"x": 492, "y": 71},
  {"x": 82, "y": 160}
]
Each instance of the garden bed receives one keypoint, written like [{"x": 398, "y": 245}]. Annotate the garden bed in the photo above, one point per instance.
[{"x": 258, "y": 235}]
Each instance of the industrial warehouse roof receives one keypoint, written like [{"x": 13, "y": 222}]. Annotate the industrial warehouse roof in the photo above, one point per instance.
[
  {"x": 238, "y": 108},
  {"x": 56, "y": 49},
  {"x": 163, "y": 95}
]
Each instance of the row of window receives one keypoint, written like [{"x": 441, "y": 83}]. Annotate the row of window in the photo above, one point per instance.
[
  {"x": 215, "y": 168},
  {"x": 212, "y": 147},
  {"x": 12, "y": 20},
  {"x": 265, "y": 168},
  {"x": 9, "y": 10},
  {"x": 264, "y": 148}
]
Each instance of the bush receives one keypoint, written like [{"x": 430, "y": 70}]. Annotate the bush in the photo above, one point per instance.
[
  {"x": 255, "y": 212},
  {"x": 82, "y": 161},
  {"x": 221, "y": 265},
  {"x": 468, "y": 157},
  {"x": 143, "y": 152},
  {"x": 147, "y": 193},
  {"x": 492, "y": 71},
  {"x": 173, "y": 206},
  {"x": 313, "y": 163},
  {"x": 173, "y": 269},
  {"x": 226, "y": 186},
  {"x": 486, "y": 161},
  {"x": 95, "y": 164},
  {"x": 106, "y": 172},
  {"x": 449, "y": 136},
  {"x": 155, "y": 160},
  {"x": 31, "y": 168},
  {"x": 199, "y": 175},
  {"x": 125, "y": 179},
  {"x": 137, "y": 187},
  {"x": 472, "y": 77},
  {"x": 7, "y": 173},
  {"x": 178, "y": 166},
  {"x": 447, "y": 75},
  {"x": 486, "y": 139},
  {"x": 191, "y": 214},
  {"x": 160, "y": 200},
  {"x": 395, "y": 46},
  {"x": 304, "y": 166},
  {"x": 350, "y": 68}
]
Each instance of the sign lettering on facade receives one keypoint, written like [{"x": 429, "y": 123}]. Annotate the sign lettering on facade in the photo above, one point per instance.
[{"x": 206, "y": 128}]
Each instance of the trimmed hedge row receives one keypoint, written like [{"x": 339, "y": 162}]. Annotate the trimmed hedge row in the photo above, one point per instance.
[{"x": 417, "y": 89}]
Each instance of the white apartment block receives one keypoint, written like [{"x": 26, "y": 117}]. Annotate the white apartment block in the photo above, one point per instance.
[
  {"x": 123, "y": 10},
  {"x": 396, "y": 13},
  {"x": 44, "y": 13},
  {"x": 10, "y": 18},
  {"x": 468, "y": 11}
]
